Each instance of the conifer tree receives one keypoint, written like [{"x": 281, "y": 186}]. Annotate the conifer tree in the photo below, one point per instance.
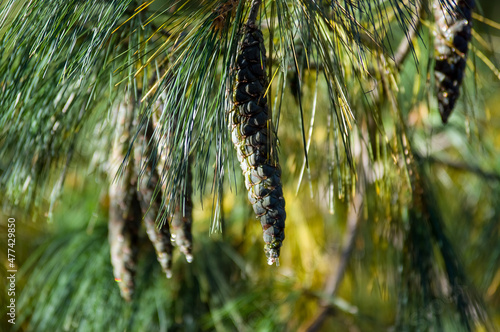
[{"x": 162, "y": 101}]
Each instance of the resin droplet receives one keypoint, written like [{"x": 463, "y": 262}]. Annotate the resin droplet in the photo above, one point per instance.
[{"x": 272, "y": 260}]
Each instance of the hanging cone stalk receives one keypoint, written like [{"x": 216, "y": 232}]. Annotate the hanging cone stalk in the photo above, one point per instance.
[
  {"x": 249, "y": 122},
  {"x": 151, "y": 202},
  {"x": 451, "y": 43},
  {"x": 124, "y": 209}
]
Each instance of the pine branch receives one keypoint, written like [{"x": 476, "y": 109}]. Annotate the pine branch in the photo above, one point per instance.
[
  {"x": 425, "y": 218},
  {"x": 465, "y": 167},
  {"x": 468, "y": 303},
  {"x": 56, "y": 79}
]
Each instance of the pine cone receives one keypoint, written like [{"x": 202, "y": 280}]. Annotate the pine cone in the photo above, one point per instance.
[
  {"x": 453, "y": 35},
  {"x": 151, "y": 202},
  {"x": 124, "y": 209},
  {"x": 124, "y": 224},
  {"x": 181, "y": 221},
  {"x": 250, "y": 134}
]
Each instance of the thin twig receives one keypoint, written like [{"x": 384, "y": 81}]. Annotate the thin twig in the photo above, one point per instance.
[
  {"x": 461, "y": 167},
  {"x": 335, "y": 279}
]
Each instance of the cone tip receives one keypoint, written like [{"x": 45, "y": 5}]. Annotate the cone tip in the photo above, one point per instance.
[{"x": 272, "y": 260}]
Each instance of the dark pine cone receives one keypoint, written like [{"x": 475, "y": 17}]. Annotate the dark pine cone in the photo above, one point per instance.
[
  {"x": 453, "y": 35},
  {"x": 251, "y": 136}
]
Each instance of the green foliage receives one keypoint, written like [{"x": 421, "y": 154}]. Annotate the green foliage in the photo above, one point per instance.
[
  {"x": 56, "y": 83},
  {"x": 82, "y": 294}
]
